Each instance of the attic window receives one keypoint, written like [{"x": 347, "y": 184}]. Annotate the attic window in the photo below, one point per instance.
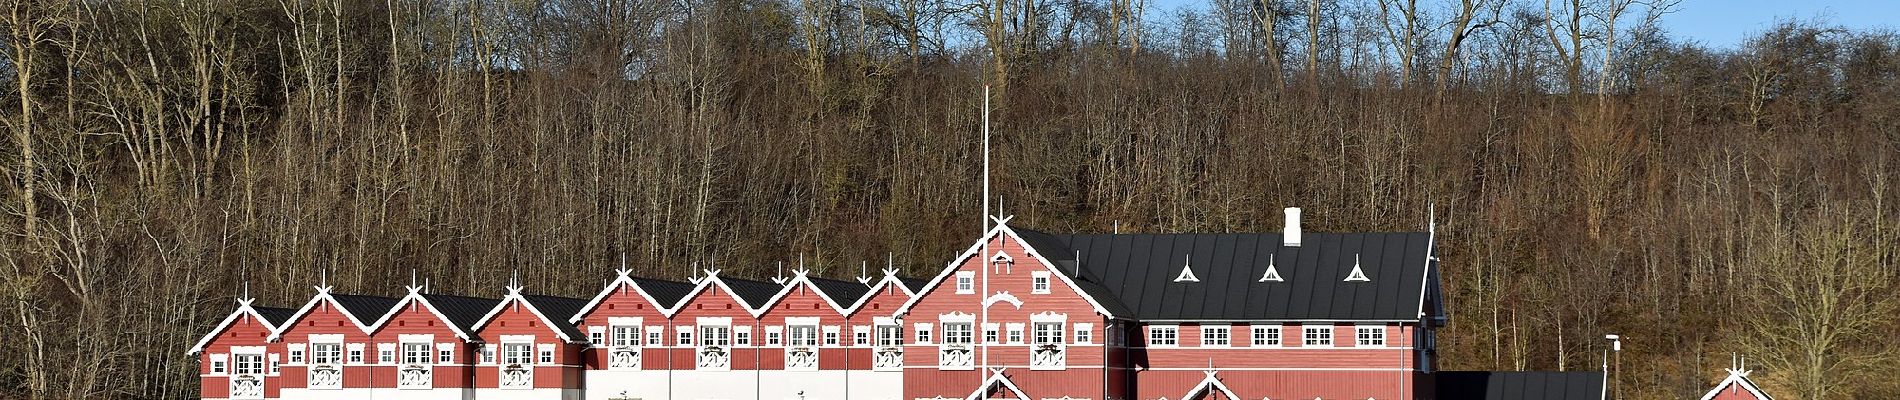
[
  {"x": 1357, "y": 274},
  {"x": 1039, "y": 282},
  {"x": 1187, "y": 274}
]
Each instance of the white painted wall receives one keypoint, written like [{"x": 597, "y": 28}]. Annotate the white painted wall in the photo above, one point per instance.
[
  {"x": 528, "y": 394},
  {"x": 644, "y": 385},
  {"x": 422, "y": 394}
]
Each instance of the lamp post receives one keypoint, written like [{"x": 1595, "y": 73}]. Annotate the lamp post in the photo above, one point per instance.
[{"x": 1616, "y": 345}]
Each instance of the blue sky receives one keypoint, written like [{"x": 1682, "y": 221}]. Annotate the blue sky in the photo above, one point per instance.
[{"x": 1725, "y": 23}]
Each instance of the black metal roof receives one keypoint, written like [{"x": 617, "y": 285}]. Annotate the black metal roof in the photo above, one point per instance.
[
  {"x": 1528, "y": 385},
  {"x": 845, "y": 293},
  {"x": 916, "y": 285},
  {"x": 668, "y": 293},
  {"x": 558, "y": 310},
  {"x": 366, "y": 308},
  {"x": 1133, "y": 275},
  {"x": 276, "y": 316},
  {"x": 755, "y": 293},
  {"x": 462, "y": 311}
]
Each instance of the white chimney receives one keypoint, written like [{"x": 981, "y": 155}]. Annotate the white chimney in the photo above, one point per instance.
[{"x": 1291, "y": 235}]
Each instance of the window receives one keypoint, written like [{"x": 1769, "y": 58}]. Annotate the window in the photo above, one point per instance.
[
  {"x": 274, "y": 365},
  {"x": 1083, "y": 332},
  {"x": 1048, "y": 333},
  {"x": 715, "y": 335},
  {"x": 356, "y": 356},
  {"x": 1163, "y": 336},
  {"x": 446, "y": 355},
  {"x": 804, "y": 335},
  {"x": 386, "y": 356},
  {"x": 626, "y": 335},
  {"x": 515, "y": 353},
  {"x": 1266, "y": 336},
  {"x": 989, "y": 333},
  {"x": 1039, "y": 282},
  {"x": 217, "y": 363},
  {"x": 860, "y": 338},
  {"x": 1216, "y": 336},
  {"x": 958, "y": 333},
  {"x": 415, "y": 353},
  {"x": 249, "y": 364},
  {"x": 742, "y": 337},
  {"x": 889, "y": 335},
  {"x": 1016, "y": 333},
  {"x": 831, "y": 338},
  {"x": 772, "y": 338},
  {"x": 1319, "y": 336},
  {"x": 923, "y": 333},
  {"x": 1371, "y": 336},
  {"x": 326, "y": 353},
  {"x": 547, "y": 354},
  {"x": 966, "y": 282},
  {"x": 685, "y": 337},
  {"x": 596, "y": 338},
  {"x": 488, "y": 354},
  {"x": 653, "y": 336},
  {"x": 296, "y": 353}
]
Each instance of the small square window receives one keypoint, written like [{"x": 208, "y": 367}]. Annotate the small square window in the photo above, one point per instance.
[
  {"x": 742, "y": 338},
  {"x": 1016, "y": 334},
  {"x": 989, "y": 335},
  {"x": 831, "y": 338},
  {"x": 860, "y": 338},
  {"x": 596, "y": 338},
  {"x": 1039, "y": 282},
  {"x": 547, "y": 356},
  {"x": 217, "y": 367},
  {"x": 653, "y": 336},
  {"x": 774, "y": 338},
  {"x": 1083, "y": 334},
  {"x": 445, "y": 356},
  {"x": 488, "y": 354},
  {"x": 296, "y": 353},
  {"x": 685, "y": 338},
  {"x": 356, "y": 356},
  {"x": 923, "y": 334},
  {"x": 386, "y": 356},
  {"x": 966, "y": 282}
]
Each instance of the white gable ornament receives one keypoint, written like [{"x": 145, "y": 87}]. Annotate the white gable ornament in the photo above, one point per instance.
[
  {"x": 1273, "y": 272},
  {"x": 1357, "y": 274},
  {"x": 1187, "y": 273}
]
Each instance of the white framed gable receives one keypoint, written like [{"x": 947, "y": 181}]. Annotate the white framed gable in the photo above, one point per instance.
[
  {"x": 322, "y": 297},
  {"x": 1001, "y": 230},
  {"x": 243, "y": 310},
  {"x": 623, "y": 283},
  {"x": 412, "y": 300}
]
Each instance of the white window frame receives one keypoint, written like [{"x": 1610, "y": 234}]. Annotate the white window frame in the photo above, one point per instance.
[
  {"x": 683, "y": 336},
  {"x": 963, "y": 333},
  {"x": 834, "y": 337},
  {"x": 923, "y": 330},
  {"x": 445, "y": 353},
  {"x": 1316, "y": 335},
  {"x": 656, "y": 335},
  {"x": 861, "y": 336},
  {"x": 218, "y": 362},
  {"x": 966, "y": 282},
  {"x": 415, "y": 353},
  {"x": 1016, "y": 335},
  {"x": 992, "y": 332},
  {"x": 1084, "y": 333},
  {"x": 742, "y": 335},
  {"x": 545, "y": 353},
  {"x": 623, "y": 335},
  {"x": 1039, "y": 282},
  {"x": 1217, "y": 335},
  {"x": 1049, "y": 332},
  {"x": 1267, "y": 336},
  {"x": 386, "y": 353},
  {"x": 296, "y": 353},
  {"x": 889, "y": 335},
  {"x": 1369, "y": 336},
  {"x": 1164, "y": 335},
  {"x": 775, "y": 335},
  {"x": 801, "y": 336},
  {"x": 356, "y": 353}
]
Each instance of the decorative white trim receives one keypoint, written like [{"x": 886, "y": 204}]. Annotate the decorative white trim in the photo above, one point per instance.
[
  {"x": 515, "y": 296},
  {"x": 243, "y": 309},
  {"x": 1000, "y": 229},
  {"x": 1039, "y": 278},
  {"x": 1273, "y": 272},
  {"x": 996, "y": 378},
  {"x": 1210, "y": 383},
  {"x": 323, "y": 296},
  {"x": 622, "y": 281},
  {"x": 1187, "y": 270},
  {"x": 1737, "y": 380},
  {"x": 415, "y": 296}
]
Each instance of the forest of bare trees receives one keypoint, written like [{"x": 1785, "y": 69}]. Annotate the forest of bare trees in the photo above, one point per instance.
[{"x": 1589, "y": 173}]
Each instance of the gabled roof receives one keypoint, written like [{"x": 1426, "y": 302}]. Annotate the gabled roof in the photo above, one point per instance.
[
  {"x": 1210, "y": 384},
  {"x": 663, "y": 294},
  {"x": 755, "y": 294},
  {"x": 365, "y": 308},
  {"x": 554, "y": 312},
  {"x": 1103, "y": 301},
  {"x": 272, "y": 317},
  {"x": 275, "y": 315},
  {"x": 1138, "y": 270},
  {"x": 359, "y": 309},
  {"x": 461, "y": 311},
  {"x": 667, "y": 294},
  {"x": 1528, "y": 385},
  {"x": 842, "y": 293},
  {"x": 914, "y": 284},
  {"x": 1736, "y": 382},
  {"x": 997, "y": 380}
]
